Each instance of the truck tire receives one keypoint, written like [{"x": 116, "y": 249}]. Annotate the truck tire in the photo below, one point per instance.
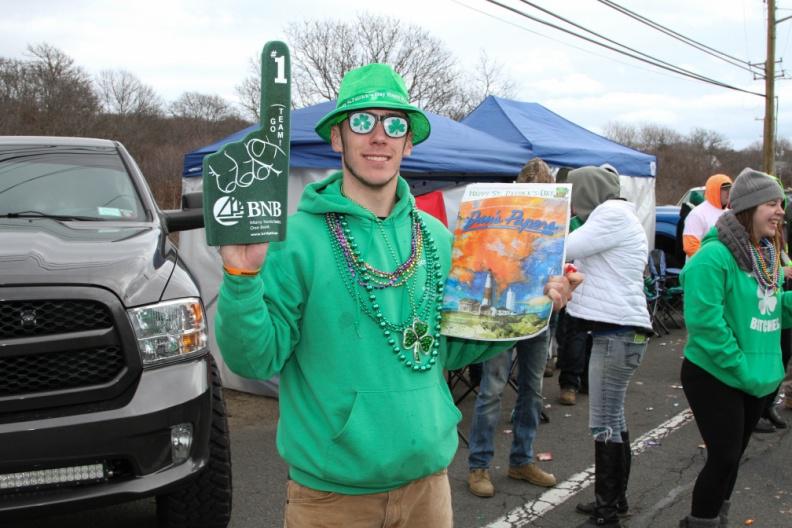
[{"x": 206, "y": 501}]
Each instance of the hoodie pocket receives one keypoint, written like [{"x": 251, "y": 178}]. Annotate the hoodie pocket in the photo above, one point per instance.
[{"x": 393, "y": 437}]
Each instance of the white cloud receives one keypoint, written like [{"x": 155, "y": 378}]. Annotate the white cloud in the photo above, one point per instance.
[
  {"x": 196, "y": 45},
  {"x": 572, "y": 84}
]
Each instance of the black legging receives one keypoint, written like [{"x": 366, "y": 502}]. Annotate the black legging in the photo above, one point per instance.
[
  {"x": 574, "y": 351},
  {"x": 786, "y": 353},
  {"x": 725, "y": 418}
]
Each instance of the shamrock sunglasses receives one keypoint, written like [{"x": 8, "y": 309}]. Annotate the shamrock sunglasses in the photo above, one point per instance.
[{"x": 364, "y": 122}]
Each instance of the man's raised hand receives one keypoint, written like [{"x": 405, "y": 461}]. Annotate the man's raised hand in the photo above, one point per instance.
[{"x": 244, "y": 257}]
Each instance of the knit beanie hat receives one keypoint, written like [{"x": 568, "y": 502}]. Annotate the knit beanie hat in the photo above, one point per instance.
[
  {"x": 752, "y": 188},
  {"x": 592, "y": 186}
]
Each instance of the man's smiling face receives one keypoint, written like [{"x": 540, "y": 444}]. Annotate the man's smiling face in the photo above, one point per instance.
[{"x": 372, "y": 159}]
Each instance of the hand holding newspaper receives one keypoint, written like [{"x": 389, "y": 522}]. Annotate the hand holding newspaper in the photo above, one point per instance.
[{"x": 509, "y": 238}]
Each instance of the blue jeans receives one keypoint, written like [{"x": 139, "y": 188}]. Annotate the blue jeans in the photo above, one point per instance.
[
  {"x": 531, "y": 359},
  {"x": 614, "y": 358}
]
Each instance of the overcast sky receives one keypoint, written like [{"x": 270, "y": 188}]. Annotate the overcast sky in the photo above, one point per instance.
[{"x": 196, "y": 45}]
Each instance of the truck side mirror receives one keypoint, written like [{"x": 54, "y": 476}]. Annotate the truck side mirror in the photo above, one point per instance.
[
  {"x": 190, "y": 216},
  {"x": 193, "y": 200}
]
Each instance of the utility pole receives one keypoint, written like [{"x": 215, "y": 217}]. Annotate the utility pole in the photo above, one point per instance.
[{"x": 768, "y": 150}]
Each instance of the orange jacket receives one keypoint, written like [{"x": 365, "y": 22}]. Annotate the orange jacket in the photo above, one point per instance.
[{"x": 691, "y": 241}]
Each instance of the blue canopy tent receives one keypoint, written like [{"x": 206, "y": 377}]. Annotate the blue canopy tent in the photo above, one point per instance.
[
  {"x": 452, "y": 150},
  {"x": 556, "y": 140},
  {"x": 562, "y": 143}
]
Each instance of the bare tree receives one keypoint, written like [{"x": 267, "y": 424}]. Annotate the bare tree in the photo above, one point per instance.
[
  {"x": 47, "y": 94},
  {"x": 487, "y": 78},
  {"x": 708, "y": 140},
  {"x": 249, "y": 92},
  {"x": 675, "y": 168},
  {"x": 648, "y": 136},
  {"x": 65, "y": 90},
  {"x": 658, "y": 137},
  {"x": 122, "y": 93},
  {"x": 16, "y": 95},
  {"x": 684, "y": 161},
  {"x": 324, "y": 50},
  {"x": 628, "y": 135},
  {"x": 194, "y": 105}
]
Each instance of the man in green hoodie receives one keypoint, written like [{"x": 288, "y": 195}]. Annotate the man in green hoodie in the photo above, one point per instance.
[{"x": 347, "y": 311}]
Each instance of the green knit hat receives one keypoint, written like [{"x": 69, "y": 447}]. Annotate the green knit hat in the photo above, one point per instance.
[{"x": 374, "y": 86}]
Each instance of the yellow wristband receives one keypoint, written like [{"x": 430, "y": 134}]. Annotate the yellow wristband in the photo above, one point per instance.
[{"x": 241, "y": 272}]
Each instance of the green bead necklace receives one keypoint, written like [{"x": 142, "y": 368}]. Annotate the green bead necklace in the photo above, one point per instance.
[
  {"x": 415, "y": 342},
  {"x": 766, "y": 275}
]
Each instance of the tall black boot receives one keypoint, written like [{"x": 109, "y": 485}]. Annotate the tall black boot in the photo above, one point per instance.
[
  {"x": 696, "y": 522},
  {"x": 723, "y": 515},
  {"x": 622, "y": 506},
  {"x": 608, "y": 484}
]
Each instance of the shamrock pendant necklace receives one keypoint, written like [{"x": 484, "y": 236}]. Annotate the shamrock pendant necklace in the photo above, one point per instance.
[
  {"x": 418, "y": 338},
  {"x": 418, "y": 346}
]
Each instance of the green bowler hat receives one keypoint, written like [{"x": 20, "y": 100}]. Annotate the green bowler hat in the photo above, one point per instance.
[{"x": 374, "y": 86}]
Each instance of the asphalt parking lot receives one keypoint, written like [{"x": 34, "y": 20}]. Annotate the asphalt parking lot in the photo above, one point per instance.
[{"x": 670, "y": 454}]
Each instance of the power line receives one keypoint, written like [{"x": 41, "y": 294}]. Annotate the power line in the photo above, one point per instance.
[
  {"x": 633, "y": 50},
  {"x": 734, "y": 61},
  {"x": 653, "y": 61},
  {"x": 589, "y": 51}
]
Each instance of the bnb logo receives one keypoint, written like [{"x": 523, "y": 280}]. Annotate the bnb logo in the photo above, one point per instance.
[{"x": 228, "y": 211}]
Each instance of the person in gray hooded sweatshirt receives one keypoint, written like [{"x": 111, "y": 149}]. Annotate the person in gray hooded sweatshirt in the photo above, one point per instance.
[{"x": 612, "y": 307}]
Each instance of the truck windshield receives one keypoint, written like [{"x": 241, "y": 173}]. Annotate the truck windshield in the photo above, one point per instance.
[{"x": 66, "y": 183}]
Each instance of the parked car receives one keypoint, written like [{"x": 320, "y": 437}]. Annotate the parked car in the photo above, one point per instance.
[
  {"x": 668, "y": 229},
  {"x": 108, "y": 391},
  {"x": 668, "y": 232},
  {"x": 693, "y": 196}
]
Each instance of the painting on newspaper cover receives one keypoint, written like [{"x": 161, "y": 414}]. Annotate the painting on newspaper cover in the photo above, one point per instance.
[{"x": 509, "y": 239}]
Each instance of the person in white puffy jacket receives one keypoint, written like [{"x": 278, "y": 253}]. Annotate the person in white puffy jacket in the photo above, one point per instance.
[{"x": 611, "y": 249}]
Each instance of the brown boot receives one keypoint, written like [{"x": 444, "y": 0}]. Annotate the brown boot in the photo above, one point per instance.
[
  {"x": 567, "y": 396},
  {"x": 533, "y": 474},
  {"x": 479, "y": 483}
]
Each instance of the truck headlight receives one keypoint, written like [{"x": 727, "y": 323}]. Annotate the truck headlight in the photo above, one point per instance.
[{"x": 169, "y": 330}]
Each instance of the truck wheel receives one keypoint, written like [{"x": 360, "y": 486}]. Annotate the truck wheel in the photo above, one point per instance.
[{"x": 206, "y": 501}]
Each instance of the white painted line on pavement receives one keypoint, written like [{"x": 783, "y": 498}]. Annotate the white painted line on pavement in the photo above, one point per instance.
[{"x": 552, "y": 498}]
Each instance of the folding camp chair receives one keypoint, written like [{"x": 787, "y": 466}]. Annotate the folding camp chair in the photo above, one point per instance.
[
  {"x": 462, "y": 383},
  {"x": 467, "y": 378},
  {"x": 663, "y": 294}
]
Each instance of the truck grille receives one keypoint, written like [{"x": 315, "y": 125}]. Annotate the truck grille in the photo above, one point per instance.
[
  {"x": 61, "y": 347},
  {"x": 60, "y": 370},
  {"x": 41, "y": 318}
]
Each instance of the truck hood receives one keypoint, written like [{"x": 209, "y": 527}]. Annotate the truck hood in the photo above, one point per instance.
[{"x": 133, "y": 260}]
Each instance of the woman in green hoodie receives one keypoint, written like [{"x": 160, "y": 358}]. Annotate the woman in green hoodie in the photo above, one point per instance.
[{"x": 734, "y": 312}]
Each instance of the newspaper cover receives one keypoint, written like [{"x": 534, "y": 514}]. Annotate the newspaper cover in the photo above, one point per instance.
[{"x": 509, "y": 238}]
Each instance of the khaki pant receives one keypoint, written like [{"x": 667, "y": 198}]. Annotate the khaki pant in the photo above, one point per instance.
[{"x": 424, "y": 503}]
